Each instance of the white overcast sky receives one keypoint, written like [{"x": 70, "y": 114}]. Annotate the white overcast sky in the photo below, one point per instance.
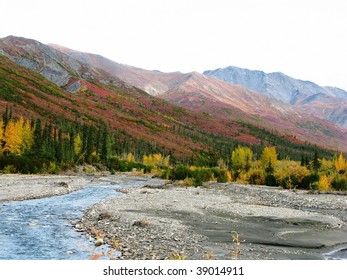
[{"x": 306, "y": 39}]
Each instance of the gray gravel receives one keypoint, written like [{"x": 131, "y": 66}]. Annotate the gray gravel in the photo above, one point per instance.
[
  {"x": 23, "y": 187},
  {"x": 155, "y": 222}
]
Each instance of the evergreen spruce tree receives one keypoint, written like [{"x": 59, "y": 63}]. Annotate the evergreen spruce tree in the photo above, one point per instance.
[
  {"x": 90, "y": 144},
  {"x": 315, "y": 162},
  {"x": 59, "y": 147},
  {"x": 104, "y": 150},
  {"x": 37, "y": 147},
  {"x": 7, "y": 116}
]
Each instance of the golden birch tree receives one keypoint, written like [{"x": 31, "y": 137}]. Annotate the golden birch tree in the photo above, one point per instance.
[{"x": 13, "y": 137}]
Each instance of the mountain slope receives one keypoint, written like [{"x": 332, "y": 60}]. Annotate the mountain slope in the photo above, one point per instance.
[
  {"x": 91, "y": 94},
  {"x": 203, "y": 94},
  {"x": 327, "y": 102},
  {"x": 200, "y": 93},
  {"x": 182, "y": 133},
  {"x": 153, "y": 82}
]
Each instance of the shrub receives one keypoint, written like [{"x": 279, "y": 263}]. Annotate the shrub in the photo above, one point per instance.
[
  {"x": 287, "y": 182},
  {"x": 256, "y": 176},
  {"x": 270, "y": 180},
  {"x": 203, "y": 174},
  {"x": 309, "y": 181},
  {"x": 243, "y": 178},
  {"x": 187, "y": 182},
  {"x": 22, "y": 164},
  {"x": 216, "y": 171},
  {"x": 117, "y": 164},
  {"x": 180, "y": 172},
  {"x": 9, "y": 169},
  {"x": 339, "y": 183},
  {"x": 323, "y": 184},
  {"x": 290, "y": 174},
  {"x": 198, "y": 175},
  {"x": 224, "y": 176}
]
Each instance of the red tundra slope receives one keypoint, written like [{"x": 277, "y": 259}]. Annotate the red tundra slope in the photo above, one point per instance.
[{"x": 200, "y": 93}]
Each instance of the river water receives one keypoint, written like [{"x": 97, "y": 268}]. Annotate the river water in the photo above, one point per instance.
[{"x": 41, "y": 229}]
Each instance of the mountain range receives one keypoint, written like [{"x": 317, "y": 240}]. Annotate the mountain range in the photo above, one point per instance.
[
  {"x": 326, "y": 102},
  {"x": 233, "y": 103}
]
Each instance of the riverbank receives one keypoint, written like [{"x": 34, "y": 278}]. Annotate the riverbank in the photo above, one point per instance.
[
  {"x": 156, "y": 222},
  {"x": 153, "y": 222},
  {"x": 16, "y": 187}
]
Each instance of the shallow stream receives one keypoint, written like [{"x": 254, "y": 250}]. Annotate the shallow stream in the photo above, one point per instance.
[{"x": 41, "y": 229}]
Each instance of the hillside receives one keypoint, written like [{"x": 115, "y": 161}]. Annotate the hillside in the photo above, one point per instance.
[
  {"x": 324, "y": 102},
  {"x": 200, "y": 93},
  {"x": 138, "y": 114},
  {"x": 153, "y": 82},
  {"x": 89, "y": 95}
]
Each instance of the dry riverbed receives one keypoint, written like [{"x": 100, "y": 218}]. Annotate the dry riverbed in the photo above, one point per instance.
[
  {"x": 23, "y": 187},
  {"x": 153, "y": 222}
]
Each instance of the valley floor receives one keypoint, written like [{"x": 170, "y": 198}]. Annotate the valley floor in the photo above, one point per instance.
[
  {"x": 15, "y": 187},
  {"x": 154, "y": 222}
]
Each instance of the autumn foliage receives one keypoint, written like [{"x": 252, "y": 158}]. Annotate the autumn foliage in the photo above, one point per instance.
[
  {"x": 317, "y": 174},
  {"x": 31, "y": 146},
  {"x": 16, "y": 137}
]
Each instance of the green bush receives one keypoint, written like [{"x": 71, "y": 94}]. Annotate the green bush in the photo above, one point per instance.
[
  {"x": 339, "y": 183},
  {"x": 223, "y": 176},
  {"x": 117, "y": 164},
  {"x": 205, "y": 174},
  {"x": 180, "y": 172},
  {"x": 257, "y": 177},
  {"x": 309, "y": 181},
  {"x": 270, "y": 180},
  {"x": 9, "y": 169},
  {"x": 290, "y": 182},
  {"x": 216, "y": 171},
  {"x": 22, "y": 164}
]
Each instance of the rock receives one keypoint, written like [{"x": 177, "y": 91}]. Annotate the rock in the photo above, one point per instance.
[{"x": 62, "y": 185}]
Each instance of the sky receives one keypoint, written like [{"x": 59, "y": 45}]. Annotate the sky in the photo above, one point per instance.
[{"x": 305, "y": 39}]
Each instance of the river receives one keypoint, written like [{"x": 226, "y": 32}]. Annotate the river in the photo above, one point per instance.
[{"x": 41, "y": 229}]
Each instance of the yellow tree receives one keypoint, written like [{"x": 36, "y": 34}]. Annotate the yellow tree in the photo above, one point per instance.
[
  {"x": 157, "y": 159},
  {"x": 268, "y": 156},
  {"x": 130, "y": 157},
  {"x": 77, "y": 145},
  {"x": 13, "y": 137},
  {"x": 324, "y": 184},
  {"x": 150, "y": 159},
  {"x": 241, "y": 158},
  {"x": 145, "y": 160},
  {"x": 166, "y": 161},
  {"x": 1, "y": 135},
  {"x": 340, "y": 164},
  {"x": 27, "y": 136}
]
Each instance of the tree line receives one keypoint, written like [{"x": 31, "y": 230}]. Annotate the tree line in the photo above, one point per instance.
[{"x": 32, "y": 146}]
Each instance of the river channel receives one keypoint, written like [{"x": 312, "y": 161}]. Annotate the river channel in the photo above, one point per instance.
[{"x": 41, "y": 229}]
